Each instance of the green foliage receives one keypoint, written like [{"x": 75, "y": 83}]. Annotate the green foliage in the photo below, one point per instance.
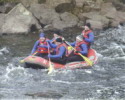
[{"x": 3, "y": 1}]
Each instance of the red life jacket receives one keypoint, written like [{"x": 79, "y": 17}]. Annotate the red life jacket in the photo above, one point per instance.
[
  {"x": 57, "y": 49},
  {"x": 41, "y": 49},
  {"x": 77, "y": 46},
  {"x": 85, "y": 35},
  {"x": 54, "y": 41}
]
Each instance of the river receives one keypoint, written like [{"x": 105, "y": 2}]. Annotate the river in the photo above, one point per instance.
[{"x": 105, "y": 80}]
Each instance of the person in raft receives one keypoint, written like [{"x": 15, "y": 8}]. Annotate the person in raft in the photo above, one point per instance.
[
  {"x": 40, "y": 47},
  {"x": 60, "y": 51},
  {"x": 56, "y": 34},
  {"x": 88, "y": 35},
  {"x": 80, "y": 47}
]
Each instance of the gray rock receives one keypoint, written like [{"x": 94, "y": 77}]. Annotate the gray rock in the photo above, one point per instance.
[
  {"x": 6, "y": 7},
  {"x": 43, "y": 13},
  {"x": 108, "y": 10},
  {"x": 19, "y": 20},
  {"x": 66, "y": 20},
  {"x": 95, "y": 24},
  {"x": 55, "y": 3},
  {"x": 2, "y": 21},
  {"x": 98, "y": 21},
  {"x": 28, "y": 3}
]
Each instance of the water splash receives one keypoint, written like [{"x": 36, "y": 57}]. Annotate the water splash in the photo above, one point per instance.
[
  {"x": 4, "y": 50},
  {"x": 13, "y": 72}
]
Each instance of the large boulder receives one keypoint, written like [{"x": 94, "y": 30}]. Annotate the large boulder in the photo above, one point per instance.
[
  {"x": 43, "y": 13},
  {"x": 61, "y": 6},
  {"x": 115, "y": 17},
  {"x": 89, "y": 5},
  {"x": 108, "y": 10},
  {"x": 118, "y": 19},
  {"x": 55, "y": 3},
  {"x": 80, "y": 3},
  {"x": 66, "y": 20},
  {"x": 95, "y": 18},
  {"x": 95, "y": 24},
  {"x": 19, "y": 20}
]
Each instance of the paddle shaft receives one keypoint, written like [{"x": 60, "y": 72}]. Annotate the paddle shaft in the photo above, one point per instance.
[{"x": 50, "y": 69}]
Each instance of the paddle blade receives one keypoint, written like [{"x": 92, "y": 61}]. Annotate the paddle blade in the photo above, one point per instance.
[
  {"x": 86, "y": 59},
  {"x": 50, "y": 69},
  {"x": 21, "y": 61}
]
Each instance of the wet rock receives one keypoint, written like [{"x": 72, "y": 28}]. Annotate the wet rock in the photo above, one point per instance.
[
  {"x": 66, "y": 20},
  {"x": 19, "y": 20}
]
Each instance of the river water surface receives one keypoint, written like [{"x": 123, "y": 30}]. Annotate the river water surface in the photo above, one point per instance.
[{"x": 105, "y": 80}]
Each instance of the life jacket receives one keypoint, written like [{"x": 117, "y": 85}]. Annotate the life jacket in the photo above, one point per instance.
[
  {"x": 85, "y": 35},
  {"x": 53, "y": 41},
  {"x": 77, "y": 46},
  {"x": 66, "y": 52},
  {"x": 41, "y": 49}
]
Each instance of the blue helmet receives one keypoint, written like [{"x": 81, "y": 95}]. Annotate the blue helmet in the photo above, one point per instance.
[{"x": 42, "y": 35}]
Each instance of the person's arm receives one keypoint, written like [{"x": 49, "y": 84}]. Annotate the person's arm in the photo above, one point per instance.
[
  {"x": 84, "y": 49},
  {"x": 35, "y": 47},
  {"x": 90, "y": 37},
  {"x": 61, "y": 52},
  {"x": 51, "y": 44}
]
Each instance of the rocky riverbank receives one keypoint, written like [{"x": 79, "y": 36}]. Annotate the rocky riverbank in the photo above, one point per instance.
[{"x": 26, "y": 16}]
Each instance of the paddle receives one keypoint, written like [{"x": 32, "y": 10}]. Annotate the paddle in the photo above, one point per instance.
[
  {"x": 50, "y": 69},
  {"x": 85, "y": 58},
  {"x": 22, "y": 61}
]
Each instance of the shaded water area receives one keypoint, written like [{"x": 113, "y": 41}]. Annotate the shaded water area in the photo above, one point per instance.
[{"x": 105, "y": 80}]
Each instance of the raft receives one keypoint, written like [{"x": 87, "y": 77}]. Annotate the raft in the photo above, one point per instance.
[{"x": 36, "y": 62}]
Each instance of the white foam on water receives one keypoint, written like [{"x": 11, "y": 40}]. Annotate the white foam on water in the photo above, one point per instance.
[
  {"x": 88, "y": 71},
  {"x": 15, "y": 72},
  {"x": 60, "y": 81},
  {"x": 4, "y": 50},
  {"x": 98, "y": 68}
]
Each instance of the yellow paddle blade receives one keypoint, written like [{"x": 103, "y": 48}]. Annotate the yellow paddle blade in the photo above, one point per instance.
[
  {"x": 86, "y": 59},
  {"x": 50, "y": 69},
  {"x": 21, "y": 61},
  {"x": 70, "y": 48}
]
